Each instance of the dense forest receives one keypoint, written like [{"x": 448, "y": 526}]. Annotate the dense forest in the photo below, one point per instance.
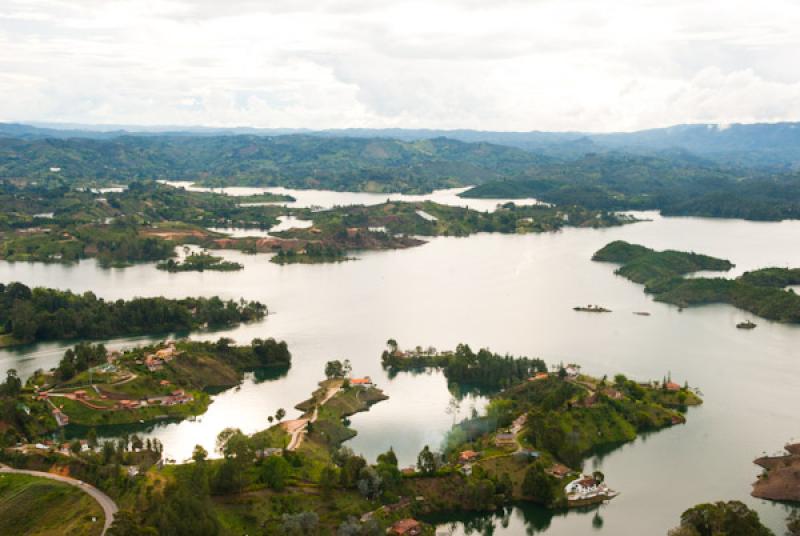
[
  {"x": 39, "y": 314},
  {"x": 762, "y": 292},
  {"x": 380, "y": 165},
  {"x": 483, "y": 369},
  {"x": 675, "y": 185}
]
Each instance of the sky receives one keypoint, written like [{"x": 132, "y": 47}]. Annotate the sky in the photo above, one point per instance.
[{"x": 588, "y": 65}]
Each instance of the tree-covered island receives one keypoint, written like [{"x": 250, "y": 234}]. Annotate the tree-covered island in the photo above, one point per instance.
[
  {"x": 199, "y": 262},
  {"x": 40, "y": 314},
  {"x": 762, "y": 292}
]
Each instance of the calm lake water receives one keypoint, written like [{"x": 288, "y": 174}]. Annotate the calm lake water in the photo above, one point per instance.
[{"x": 513, "y": 294}]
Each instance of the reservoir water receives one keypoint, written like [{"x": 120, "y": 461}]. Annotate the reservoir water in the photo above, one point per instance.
[{"x": 512, "y": 293}]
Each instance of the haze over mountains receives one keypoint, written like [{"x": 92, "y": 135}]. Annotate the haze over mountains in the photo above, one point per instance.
[
  {"x": 739, "y": 171},
  {"x": 758, "y": 144}
]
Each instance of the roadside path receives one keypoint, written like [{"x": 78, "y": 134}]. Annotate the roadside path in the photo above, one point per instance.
[
  {"x": 297, "y": 428},
  {"x": 106, "y": 503}
]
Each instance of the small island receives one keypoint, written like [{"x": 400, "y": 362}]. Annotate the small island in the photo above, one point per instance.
[
  {"x": 591, "y": 309},
  {"x": 761, "y": 292},
  {"x": 199, "y": 262}
]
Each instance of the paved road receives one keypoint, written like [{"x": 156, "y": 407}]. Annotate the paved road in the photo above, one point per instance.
[{"x": 106, "y": 503}]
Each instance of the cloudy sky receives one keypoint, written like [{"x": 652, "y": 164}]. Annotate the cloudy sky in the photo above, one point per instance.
[{"x": 596, "y": 65}]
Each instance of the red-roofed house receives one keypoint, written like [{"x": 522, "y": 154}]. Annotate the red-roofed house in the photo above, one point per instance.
[
  {"x": 672, "y": 386},
  {"x": 366, "y": 381},
  {"x": 468, "y": 456},
  {"x": 406, "y": 527}
]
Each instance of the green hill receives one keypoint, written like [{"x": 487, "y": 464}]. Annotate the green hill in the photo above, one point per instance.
[{"x": 38, "y": 506}]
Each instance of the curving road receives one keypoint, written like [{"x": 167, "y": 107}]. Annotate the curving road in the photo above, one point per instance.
[{"x": 106, "y": 503}]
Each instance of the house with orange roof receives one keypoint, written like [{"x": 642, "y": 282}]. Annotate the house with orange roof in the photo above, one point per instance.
[
  {"x": 468, "y": 456},
  {"x": 366, "y": 381},
  {"x": 406, "y": 527}
]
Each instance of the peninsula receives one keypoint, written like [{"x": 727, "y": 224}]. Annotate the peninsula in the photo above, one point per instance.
[
  {"x": 780, "y": 480},
  {"x": 761, "y": 292},
  {"x": 522, "y": 440},
  {"x": 169, "y": 380}
]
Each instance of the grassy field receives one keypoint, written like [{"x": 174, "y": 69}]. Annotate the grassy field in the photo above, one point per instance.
[{"x": 31, "y": 505}]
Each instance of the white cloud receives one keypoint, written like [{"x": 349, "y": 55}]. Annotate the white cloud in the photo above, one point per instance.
[{"x": 510, "y": 65}]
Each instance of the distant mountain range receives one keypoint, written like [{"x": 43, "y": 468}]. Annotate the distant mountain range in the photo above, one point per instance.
[
  {"x": 744, "y": 171},
  {"x": 754, "y": 145}
]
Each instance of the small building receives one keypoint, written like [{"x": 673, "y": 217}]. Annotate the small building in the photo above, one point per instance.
[
  {"x": 558, "y": 470},
  {"x": 129, "y": 404},
  {"x": 468, "y": 456},
  {"x": 581, "y": 486},
  {"x": 164, "y": 383},
  {"x": 539, "y": 376},
  {"x": 672, "y": 386},
  {"x": 270, "y": 451},
  {"x": 366, "y": 381},
  {"x": 573, "y": 370},
  {"x": 613, "y": 394},
  {"x": 408, "y": 471},
  {"x": 80, "y": 394},
  {"x": 406, "y": 527},
  {"x": 505, "y": 439}
]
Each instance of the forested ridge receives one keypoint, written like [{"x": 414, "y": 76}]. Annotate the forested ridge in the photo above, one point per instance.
[{"x": 45, "y": 314}]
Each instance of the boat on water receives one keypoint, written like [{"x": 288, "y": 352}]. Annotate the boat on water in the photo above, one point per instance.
[
  {"x": 591, "y": 309},
  {"x": 641, "y": 313},
  {"x": 746, "y": 325}
]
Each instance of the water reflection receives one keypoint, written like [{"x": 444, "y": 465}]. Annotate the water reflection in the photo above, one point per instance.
[{"x": 512, "y": 293}]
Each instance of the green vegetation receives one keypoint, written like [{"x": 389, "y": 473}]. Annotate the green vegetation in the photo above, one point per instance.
[
  {"x": 464, "y": 367},
  {"x": 21, "y": 418},
  {"x": 732, "y": 518},
  {"x": 166, "y": 381},
  {"x": 46, "y": 314},
  {"x": 142, "y": 223},
  {"x": 298, "y": 161},
  {"x": 677, "y": 184},
  {"x": 39, "y": 506},
  {"x": 199, "y": 262},
  {"x": 760, "y": 292}
]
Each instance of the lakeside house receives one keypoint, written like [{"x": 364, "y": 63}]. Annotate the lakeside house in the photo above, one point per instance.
[
  {"x": 572, "y": 370},
  {"x": 586, "y": 488},
  {"x": 558, "y": 470},
  {"x": 505, "y": 439},
  {"x": 672, "y": 386},
  {"x": 582, "y": 486},
  {"x": 366, "y": 381},
  {"x": 406, "y": 527},
  {"x": 539, "y": 376}
]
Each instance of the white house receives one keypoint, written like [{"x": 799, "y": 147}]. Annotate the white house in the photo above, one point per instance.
[{"x": 585, "y": 485}]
